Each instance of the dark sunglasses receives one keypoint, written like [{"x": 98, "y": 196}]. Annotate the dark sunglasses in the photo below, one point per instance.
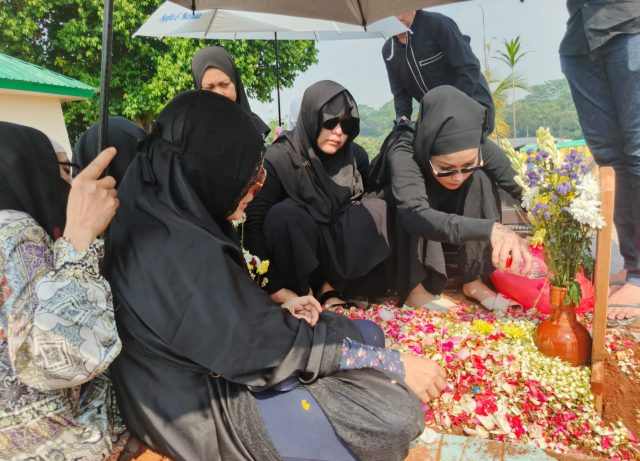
[
  {"x": 348, "y": 125},
  {"x": 464, "y": 170}
]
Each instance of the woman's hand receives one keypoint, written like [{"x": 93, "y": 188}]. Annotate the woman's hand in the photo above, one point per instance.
[
  {"x": 507, "y": 244},
  {"x": 283, "y": 295},
  {"x": 423, "y": 376},
  {"x": 92, "y": 202},
  {"x": 305, "y": 308}
]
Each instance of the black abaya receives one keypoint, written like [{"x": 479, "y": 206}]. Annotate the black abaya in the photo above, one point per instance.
[
  {"x": 311, "y": 219},
  {"x": 198, "y": 334}
]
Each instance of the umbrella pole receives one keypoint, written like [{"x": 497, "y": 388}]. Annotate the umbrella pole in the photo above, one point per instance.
[
  {"x": 275, "y": 34},
  {"x": 105, "y": 72}
]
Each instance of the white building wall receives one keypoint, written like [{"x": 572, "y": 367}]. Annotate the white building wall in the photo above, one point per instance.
[{"x": 40, "y": 111}]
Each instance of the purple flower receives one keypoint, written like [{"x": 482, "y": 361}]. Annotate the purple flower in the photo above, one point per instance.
[
  {"x": 540, "y": 210},
  {"x": 563, "y": 188}
]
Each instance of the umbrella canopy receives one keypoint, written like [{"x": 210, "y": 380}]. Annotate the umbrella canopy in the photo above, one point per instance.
[
  {"x": 362, "y": 12},
  {"x": 172, "y": 20}
]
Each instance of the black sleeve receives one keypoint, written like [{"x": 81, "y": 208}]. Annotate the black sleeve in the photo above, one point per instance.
[
  {"x": 458, "y": 52},
  {"x": 499, "y": 169},
  {"x": 362, "y": 162},
  {"x": 402, "y": 100},
  {"x": 412, "y": 203},
  {"x": 253, "y": 238}
]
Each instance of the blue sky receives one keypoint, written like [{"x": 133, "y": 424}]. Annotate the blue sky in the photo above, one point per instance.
[{"x": 358, "y": 65}]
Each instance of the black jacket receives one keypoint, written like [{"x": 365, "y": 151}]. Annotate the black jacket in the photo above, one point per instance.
[{"x": 436, "y": 53}]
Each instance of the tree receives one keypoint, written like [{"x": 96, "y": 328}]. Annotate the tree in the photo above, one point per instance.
[
  {"x": 551, "y": 105},
  {"x": 66, "y": 36},
  {"x": 511, "y": 56}
]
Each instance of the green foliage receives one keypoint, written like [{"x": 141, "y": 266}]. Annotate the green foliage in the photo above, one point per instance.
[
  {"x": 66, "y": 36},
  {"x": 376, "y": 124},
  {"x": 549, "y": 104},
  {"x": 511, "y": 55}
]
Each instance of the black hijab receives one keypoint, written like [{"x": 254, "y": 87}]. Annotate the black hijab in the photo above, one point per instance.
[
  {"x": 30, "y": 177},
  {"x": 123, "y": 134},
  {"x": 176, "y": 266},
  {"x": 218, "y": 57},
  {"x": 323, "y": 184},
  {"x": 448, "y": 121}
]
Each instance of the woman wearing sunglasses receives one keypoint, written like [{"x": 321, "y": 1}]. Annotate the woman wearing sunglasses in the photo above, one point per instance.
[
  {"x": 312, "y": 220},
  {"x": 444, "y": 178},
  {"x": 210, "y": 364}
]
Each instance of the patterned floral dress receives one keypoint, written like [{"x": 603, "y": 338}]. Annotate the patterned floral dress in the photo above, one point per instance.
[{"x": 57, "y": 338}]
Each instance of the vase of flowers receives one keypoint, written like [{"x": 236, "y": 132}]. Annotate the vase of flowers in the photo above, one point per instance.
[{"x": 562, "y": 199}]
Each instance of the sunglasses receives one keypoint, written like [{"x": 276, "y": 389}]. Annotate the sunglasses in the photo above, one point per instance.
[
  {"x": 464, "y": 170},
  {"x": 349, "y": 125}
]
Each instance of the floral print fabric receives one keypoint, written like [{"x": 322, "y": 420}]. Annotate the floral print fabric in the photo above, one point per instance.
[{"x": 57, "y": 338}]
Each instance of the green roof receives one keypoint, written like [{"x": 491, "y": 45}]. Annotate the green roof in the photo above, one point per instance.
[{"x": 20, "y": 75}]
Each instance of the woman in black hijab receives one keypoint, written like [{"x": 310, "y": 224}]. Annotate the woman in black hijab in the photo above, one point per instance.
[
  {"x": 199, "y": 336},
  {"x": 56, "y": 313},
  {"x": 444, "y": 178},
  {"x": 312, "y": 220},
  {"x": 213, "y": 69},
  {"x": 123, "y": 134}
]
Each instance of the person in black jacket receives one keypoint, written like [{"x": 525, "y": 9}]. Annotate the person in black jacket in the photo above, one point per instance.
[
  {"x": 432, "y": 53},
  {"x": 444, "y": 177}
]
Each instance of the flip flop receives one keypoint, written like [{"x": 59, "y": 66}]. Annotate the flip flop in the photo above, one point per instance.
[
  {"x": 335, "y": 294},
  {"x": 623, "y": 322},
  {"x": 498, "y": 303}
]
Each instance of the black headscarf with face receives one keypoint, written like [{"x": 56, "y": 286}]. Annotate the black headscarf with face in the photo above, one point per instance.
[
  {"x": 218, "y": 57},
  {"x": 448, "y": 121},
  {"x": 30, "y": 177},
  {"x": 175, "y": 262},
  {"x": 123, "y": 134},
  {"x": 323, "y": 184}
]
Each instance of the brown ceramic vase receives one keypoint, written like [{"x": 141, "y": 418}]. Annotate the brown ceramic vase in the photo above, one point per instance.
[{"x": 561, "y": 335}]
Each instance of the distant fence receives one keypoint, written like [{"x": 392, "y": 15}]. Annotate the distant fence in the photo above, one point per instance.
[{"x": 565, "y": 146}]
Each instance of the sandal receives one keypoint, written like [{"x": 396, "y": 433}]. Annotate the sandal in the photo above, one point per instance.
[
  {"x": 335, "y": 294},
  {"x": 623, "y": 322}
]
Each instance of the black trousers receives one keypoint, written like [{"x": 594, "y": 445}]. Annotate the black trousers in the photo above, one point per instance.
[
  {"x": 419, "y": 260},
  {"x": 305, "y": 253}
]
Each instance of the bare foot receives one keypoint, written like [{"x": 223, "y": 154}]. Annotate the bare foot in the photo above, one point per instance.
[
  {"x": 419, "y": 296},
  {"x": 478, "y": 290},
  {"x": 628, "y": 294},
  {"x": 621, "y": 276}
]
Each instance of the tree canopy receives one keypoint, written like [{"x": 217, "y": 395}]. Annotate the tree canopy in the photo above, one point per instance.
[
  {"x": 549, "y": 105},
  {"x": 66, "y": 36}
]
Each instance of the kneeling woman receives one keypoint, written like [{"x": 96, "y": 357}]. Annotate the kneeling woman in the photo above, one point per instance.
[
  {"x": 204, "y": 347},
  {"x": 311, "y": 219},
  {"x": 444, "y": 180}
]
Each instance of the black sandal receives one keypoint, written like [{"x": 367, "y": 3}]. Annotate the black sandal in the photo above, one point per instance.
[{"x": 335, "y": 294}]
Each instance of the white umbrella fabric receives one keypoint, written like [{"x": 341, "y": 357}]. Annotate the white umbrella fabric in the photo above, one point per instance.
[
  {"x": 361, "y": 12},
  {"x": 171, "y": 20}
]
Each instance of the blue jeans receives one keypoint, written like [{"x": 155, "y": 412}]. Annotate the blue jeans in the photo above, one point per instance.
[
  {"x": 605, "y": 85},
  {"x": 295, "y": 422}
]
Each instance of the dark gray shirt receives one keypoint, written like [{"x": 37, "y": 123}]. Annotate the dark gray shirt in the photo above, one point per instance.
[{"x": 594, "y": 22}]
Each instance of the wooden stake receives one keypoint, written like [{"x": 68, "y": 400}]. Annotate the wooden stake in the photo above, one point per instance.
[{"x": 602, "y": 268}]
